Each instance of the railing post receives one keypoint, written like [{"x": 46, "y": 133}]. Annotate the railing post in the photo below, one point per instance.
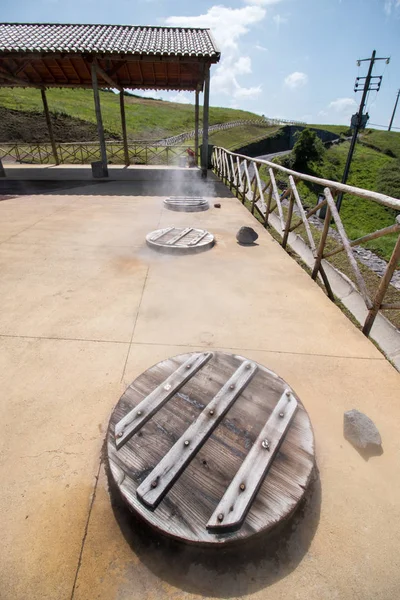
[
  {"x": 383, "y": 286},
  {"x": 268, "y": 205},
  {"x": 288, "y": 220},
  {"x": 321, "y": 246}
]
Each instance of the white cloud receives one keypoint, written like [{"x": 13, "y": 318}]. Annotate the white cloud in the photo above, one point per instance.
[
  {"x": 296, "y": 80},
  {"x": 153, "y": 94},
  {"x": 339, "y": 110},
  {"x": 251, "y": 92},
  {"x": 279, "y": 20},
  {"x": 262, "y": 2},
  {"x": 180, "y": 98},
  {"x": 342, "y": 105},
  {"x": 262, "y": 48},
  {"x": 228, "y": 26},
  {"x": 390, "y": 5}
]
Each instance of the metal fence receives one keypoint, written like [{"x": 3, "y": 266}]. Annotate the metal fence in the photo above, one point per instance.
[
  {"x": 140, "y": 153},
  {"x": 257, "y": 181}
]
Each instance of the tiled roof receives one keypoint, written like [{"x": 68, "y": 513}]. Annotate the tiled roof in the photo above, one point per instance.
[{"x": 106, "y": 39}]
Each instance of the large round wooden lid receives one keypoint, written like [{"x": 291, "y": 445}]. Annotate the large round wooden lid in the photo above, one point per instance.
[{"x": 210, "y": 448}]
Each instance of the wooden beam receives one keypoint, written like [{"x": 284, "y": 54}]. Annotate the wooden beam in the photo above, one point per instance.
[
  {"x": 123, "y": 126},
  {"x": 62, "y": 71},
  {"x": 100, "y": 129},
  {"x": 21, "y": 67},
  {"x": 106, "y": 77},
  {"x": 196, "y": 126},
  {"x": 140, "y": 72},
  {"x": 17, "y": 80},
  {"x": 71, "y": 64},
  {"x": 49, "y": 126},
  {"x": 206, "y": 102},
  {"x": 116, "y": 68}
]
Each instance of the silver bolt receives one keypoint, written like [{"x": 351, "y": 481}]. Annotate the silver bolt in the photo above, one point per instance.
[
  {"x": 211, "y": 412},
  {"x": 281, "y": 415},
  {"x": 242, "y": 487},
  {"x": 121, "y": 433},
  {"x": 265, "y": 444},
  {"x": 154, "y": 483},
  {"x": 248, "y": 366},
  {"x": 139, "y": 412},
  {"x": 220, "y": 517},
  {"x": 188, "y": 366},
  {"x": 288, "y": 394},
  {"x": 186, "y": 442},
  {"x": 232, "y": 386}
]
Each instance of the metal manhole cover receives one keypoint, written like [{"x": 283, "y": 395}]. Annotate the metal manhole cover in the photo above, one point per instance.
[
  {"x": 180, "y": 240},
  {"x": 210, "y": 448},
  {"x": 186, "y": 204}
]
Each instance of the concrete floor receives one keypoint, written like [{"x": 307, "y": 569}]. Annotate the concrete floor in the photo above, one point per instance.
[{"x": 86, "y": 307}]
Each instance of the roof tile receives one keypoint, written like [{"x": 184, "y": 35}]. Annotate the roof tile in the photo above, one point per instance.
[{"x": 106, "y": 39}]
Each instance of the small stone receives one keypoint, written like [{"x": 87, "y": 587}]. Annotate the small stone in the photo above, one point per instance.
[
  {"x": 217, "y": 205},
  {"x": 246, "y": 235},
  {"x": 359, "y": 430}
]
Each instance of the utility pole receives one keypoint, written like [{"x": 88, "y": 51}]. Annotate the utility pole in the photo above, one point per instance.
[
  {"x": 394, "y": 111},
  {"x": 358, "y": 121}
]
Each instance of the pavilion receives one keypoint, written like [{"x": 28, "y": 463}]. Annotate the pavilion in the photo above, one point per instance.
[{"x": 119, "y": 57}]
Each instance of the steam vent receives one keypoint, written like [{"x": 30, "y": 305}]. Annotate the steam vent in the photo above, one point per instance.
[
  {"x": 210, "y": 448},
  {"x": 186, "y": 204},
  {"x": 179, "y": 240}
]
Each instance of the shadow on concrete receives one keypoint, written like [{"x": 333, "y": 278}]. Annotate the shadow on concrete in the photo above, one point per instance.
[
  {"x": 223, "y": 573},
  {"x": 369, "y": 451},
  {"x": 122, "y": 182}
]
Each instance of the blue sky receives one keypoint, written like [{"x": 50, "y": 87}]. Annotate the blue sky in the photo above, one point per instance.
[{"x": 293, "y": 59}]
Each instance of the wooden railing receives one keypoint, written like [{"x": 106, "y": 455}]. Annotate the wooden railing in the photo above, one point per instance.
[
  {"x": 255, "y": 181},
  {"x": 140, "y": 153}
]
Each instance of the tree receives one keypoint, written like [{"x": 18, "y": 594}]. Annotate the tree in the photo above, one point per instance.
[{"x": 307, "y": 149}]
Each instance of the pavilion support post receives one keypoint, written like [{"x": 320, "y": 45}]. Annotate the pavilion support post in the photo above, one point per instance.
[
  {"x": 206, "y": 101},
  {"x": 196, "y": 127},
  {"x": 123, "y": 124},
  {"x": 49, "y": 126},
  {"x": 103, "y": 152}
]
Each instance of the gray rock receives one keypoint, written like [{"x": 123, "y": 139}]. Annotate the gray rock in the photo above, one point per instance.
[
  {"x": 246, "y": 235},
  {"x": 359, "y": 430}
]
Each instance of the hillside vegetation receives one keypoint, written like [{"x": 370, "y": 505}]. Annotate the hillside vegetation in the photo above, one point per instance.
[
  {"x": 146, "y": 119},
  {"x": 370, "y": 169}
]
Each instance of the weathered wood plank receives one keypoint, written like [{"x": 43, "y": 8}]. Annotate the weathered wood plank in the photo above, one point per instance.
[
  {"x": 157, "y": 484},
  {"x": 235, "y": 503},
  {"x": 160, "y": 234},
  {"x": 137, "y": 417},
  {"x": 187, "y": 507},
  {"x": 179, "y": 236}
]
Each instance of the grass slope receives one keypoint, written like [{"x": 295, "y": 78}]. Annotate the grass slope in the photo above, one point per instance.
[
  {"x": 359, "y": 216},
  {"x": 239, "y": 136},
  {"x": 386, "y": 141},
  {"x": 145, "y": 118}
]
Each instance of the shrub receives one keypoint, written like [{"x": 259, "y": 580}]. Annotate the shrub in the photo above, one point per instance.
[{"x": 307, "y": 149}]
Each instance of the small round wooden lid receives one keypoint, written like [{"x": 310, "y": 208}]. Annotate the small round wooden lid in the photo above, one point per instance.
[
  {"x": 179, "y": 240},
  {"x": 186, "y": 204},
  {"x": 210, "y": 448}
]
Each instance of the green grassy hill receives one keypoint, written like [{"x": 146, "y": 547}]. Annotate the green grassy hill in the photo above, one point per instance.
[{"x": 145, "y": 118}]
